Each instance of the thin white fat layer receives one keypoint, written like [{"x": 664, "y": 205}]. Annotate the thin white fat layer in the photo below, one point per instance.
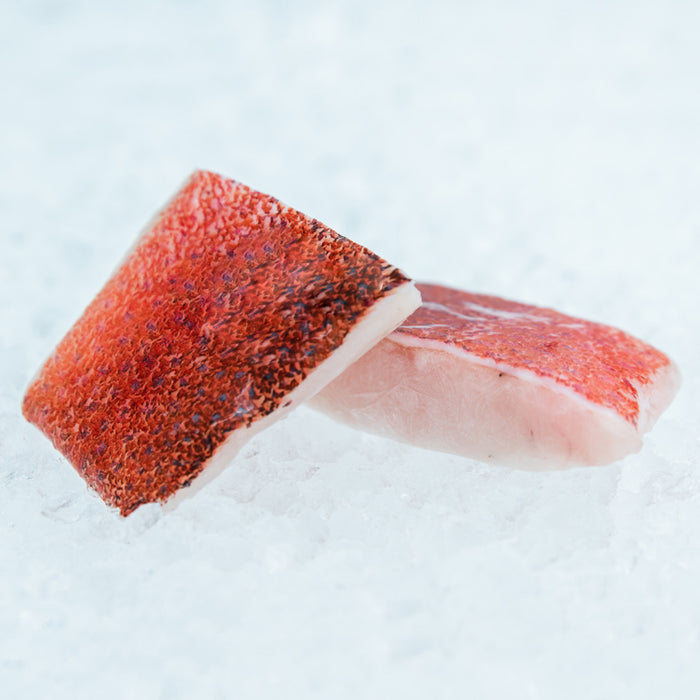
[
  {"x": 381, "y": 319},
  {"x": 485, "y": 311},
  {"x": 521, "y": 373},
  {"x": 482, "y": 311}
]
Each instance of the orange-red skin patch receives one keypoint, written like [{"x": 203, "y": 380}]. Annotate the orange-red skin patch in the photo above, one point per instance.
[
  {"x": 602, "y": 364},
  {"x": 223, "y": 308}
]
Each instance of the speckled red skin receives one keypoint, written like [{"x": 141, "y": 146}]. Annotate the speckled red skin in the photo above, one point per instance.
[
  {"x": 602, "y": 364},
  {"x": 223, "y": 308}
]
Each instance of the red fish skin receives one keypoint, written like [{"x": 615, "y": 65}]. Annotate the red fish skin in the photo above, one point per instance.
[{"x": 227, "y": 302}]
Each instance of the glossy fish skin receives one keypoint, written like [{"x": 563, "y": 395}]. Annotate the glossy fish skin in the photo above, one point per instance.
[
  {"x": 507, "y": 383},
  {"x": 230, "y": 310}
]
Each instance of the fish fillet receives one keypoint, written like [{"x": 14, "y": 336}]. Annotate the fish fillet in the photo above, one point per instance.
[
  {"x": 505, "y": 382},
  {"x": 230, "y": 310}
]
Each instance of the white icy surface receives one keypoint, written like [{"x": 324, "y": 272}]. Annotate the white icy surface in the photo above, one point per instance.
[{"x": 532, "y": 150}]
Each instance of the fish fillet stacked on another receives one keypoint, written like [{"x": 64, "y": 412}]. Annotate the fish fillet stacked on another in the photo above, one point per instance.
[
  {"x": 230, "y": 311},
  {"x": 507, "y": 383}
]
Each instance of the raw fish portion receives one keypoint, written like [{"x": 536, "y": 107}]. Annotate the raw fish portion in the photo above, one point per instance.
[
  {"x": 507, "y": 383},
  {"x": 230, "y": 310}
]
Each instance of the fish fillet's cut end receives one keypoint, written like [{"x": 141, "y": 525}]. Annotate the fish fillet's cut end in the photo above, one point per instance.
[
  {"x": 507, "y": 383},
  {"x": 229, "y": 311}
]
